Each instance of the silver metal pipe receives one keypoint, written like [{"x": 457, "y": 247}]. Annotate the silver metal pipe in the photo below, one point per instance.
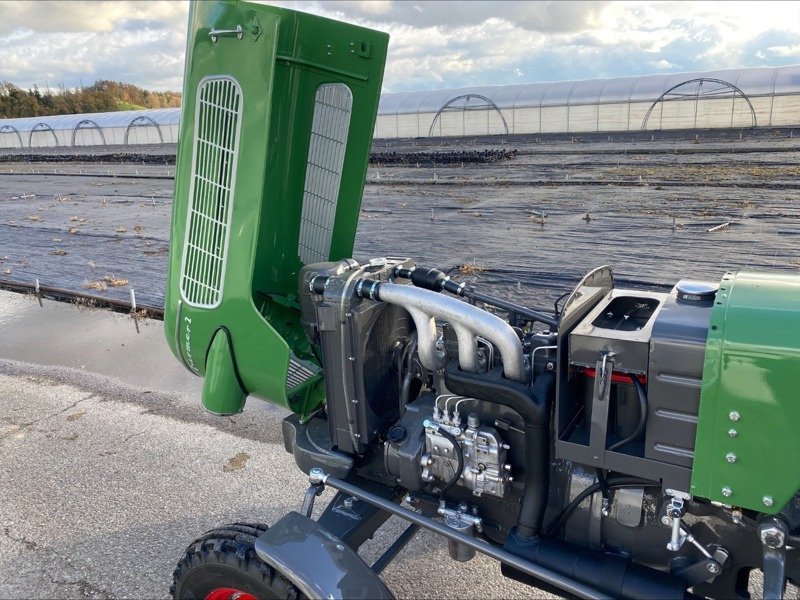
[{"x": 468, "y": 322}]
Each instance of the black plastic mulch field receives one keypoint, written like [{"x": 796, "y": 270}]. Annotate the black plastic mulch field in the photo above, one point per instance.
[{"x": 526, "y": 224}]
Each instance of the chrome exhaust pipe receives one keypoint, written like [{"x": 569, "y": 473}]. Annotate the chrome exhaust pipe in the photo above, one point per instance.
[{"x": 468, "y": 322}]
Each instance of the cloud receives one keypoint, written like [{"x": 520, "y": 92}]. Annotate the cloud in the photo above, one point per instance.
[
  {"x": 82, "y": 16},
  {"x": 433, "y": 45},
  {"x": 72, "y": 43},
  {"x": 532, "y": 16}
]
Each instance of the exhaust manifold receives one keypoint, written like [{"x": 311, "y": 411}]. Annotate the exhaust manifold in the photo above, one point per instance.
[{"x": 468, "y": 322}]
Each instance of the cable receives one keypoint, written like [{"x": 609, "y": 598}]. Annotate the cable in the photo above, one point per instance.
[
  {"x": 601, "y": 479},
  {"x": 640, "y": 392},
  {"x": 559, "y": 299},
  {"x": 459, "y": 454},
  {"x": 616, "y": 483}
]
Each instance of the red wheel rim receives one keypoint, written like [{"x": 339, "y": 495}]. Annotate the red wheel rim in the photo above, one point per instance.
[{"x": 225, "y": 593}]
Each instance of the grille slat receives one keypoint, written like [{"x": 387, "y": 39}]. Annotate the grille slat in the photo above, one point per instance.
[
  {"x": 297, "y": 374},
  {"x": 216, "y": 147},
  {"x": 329, "y": 128}
]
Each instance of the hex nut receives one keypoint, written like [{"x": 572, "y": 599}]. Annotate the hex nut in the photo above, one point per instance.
[
  {"x": 727, "y": 492},
  {"x": 730, "y": 457},
  {"x": 734, "y": 416},
  {"x": 768, "y": 501},
  {"x": 732, "y": 432}
]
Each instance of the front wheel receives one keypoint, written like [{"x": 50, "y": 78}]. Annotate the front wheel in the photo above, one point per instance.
[{"x": 222, "y": 565}]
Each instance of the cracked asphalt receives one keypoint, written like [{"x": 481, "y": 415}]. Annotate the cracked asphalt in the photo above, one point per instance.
[{"x": 104, "y": 481}]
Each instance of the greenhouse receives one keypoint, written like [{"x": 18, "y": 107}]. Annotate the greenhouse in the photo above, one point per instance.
[
  {"x": 740, "y": 98},
  {"x": 152, "y": 126},
  {"x": 758, "y": 97}
]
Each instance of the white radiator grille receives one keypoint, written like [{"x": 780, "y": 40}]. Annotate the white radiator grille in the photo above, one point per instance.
[
  {"x": 218, "y": 117},
  {"x": 332, "y": 107},
  {"x": 298, "y": 373}
]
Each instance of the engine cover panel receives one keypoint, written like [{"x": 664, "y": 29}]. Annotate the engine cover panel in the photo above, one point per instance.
[{"x": 748, "y": 451}]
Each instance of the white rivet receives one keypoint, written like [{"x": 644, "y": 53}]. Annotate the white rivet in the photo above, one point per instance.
[
  {"x": 734, "y": 416},
  {"x": 727, "y": 492},
  {"x": 730, "y": 457},
  {"x": 768, "y": 501}
]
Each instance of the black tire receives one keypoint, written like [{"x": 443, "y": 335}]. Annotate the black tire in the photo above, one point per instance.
[{"x": 225, "y": 558}]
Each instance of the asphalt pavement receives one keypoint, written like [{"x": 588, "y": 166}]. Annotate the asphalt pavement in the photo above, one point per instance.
[{"x": 109, "y": 467}]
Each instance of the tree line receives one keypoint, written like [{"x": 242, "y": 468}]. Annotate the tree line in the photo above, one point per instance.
[{"x": 103, "y": 96}]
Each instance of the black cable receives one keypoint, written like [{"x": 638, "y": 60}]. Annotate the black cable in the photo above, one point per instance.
[
  {"x": 459, "y": 454},
  {"x": 615, "y": 483},
  {"x": 642, "y": 414},
  {"x": 601, "y": 479},
  {"x": 559, "y": 299}
]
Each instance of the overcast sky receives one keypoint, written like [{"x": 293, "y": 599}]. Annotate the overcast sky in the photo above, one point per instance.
[{"x": 434, "y": 45}]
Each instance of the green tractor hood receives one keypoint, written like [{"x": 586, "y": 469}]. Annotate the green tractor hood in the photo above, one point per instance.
[{"x": 278, "y": 115}]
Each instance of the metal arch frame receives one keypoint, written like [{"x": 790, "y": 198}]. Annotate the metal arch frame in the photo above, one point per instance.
[
  {"x": 140, "y": 122},
  {"x": 9, "y": 129},
  {"x": 466, "y": 98},
  {"x": 92, "y": 124},
  {"x": 41, "y": 126},
  {"x": 700, "y": 80}
]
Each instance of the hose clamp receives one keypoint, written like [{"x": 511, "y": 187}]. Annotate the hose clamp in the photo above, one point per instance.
[{"x": 373, "y": 289}]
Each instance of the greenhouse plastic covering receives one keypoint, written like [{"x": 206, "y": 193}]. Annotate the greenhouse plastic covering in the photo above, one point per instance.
[
  {"x": 764, "y": 97},
  {"x": 755, "y": 81}
]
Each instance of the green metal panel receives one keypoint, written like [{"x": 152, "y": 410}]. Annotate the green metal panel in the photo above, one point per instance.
[
  {"x": 748, "y": 432},
  {"x": 244, "y": 250}
]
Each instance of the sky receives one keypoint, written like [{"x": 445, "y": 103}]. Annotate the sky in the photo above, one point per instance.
[{"x": 433, "y": 45}]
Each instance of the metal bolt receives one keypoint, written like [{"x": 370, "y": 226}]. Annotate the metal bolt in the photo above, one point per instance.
[
  {"x": 550, "y": 366},
  {"x": 727, "y": 492},
  {"x": 348, "y": 502},
  {"x": 712, "y": 567},
  {"x": 734, "y": 416},
  {"x": 773, "y": 537},
  {"x": 768, "y": 501},
  {"x": 666, "y": 521},
  {"x": 730, "y": 457},
  {"x": 732, "y": 432},
  {"x": 316, "y": 476}
]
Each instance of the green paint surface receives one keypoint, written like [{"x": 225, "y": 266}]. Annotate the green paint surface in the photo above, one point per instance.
[
  {"x": 752, "y": 367},
  {"x": 281, "y": 60}
]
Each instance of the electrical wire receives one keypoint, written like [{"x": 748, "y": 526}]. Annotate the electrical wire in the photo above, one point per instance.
[
  {"x": 459, "y": 455},
  {"x": 642, "y": 395},
  {"x": 615, "y": 483}
]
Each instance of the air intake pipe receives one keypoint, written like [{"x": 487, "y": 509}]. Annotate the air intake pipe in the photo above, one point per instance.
[{"x": 468, "y": 322}]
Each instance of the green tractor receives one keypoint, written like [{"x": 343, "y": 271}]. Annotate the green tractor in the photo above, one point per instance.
[{"x": 631, "y": 444}]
